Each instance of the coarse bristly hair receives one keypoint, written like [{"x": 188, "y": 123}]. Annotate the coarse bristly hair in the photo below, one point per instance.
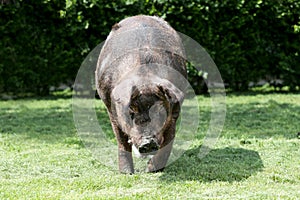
[{"x": 138, "y": 77}]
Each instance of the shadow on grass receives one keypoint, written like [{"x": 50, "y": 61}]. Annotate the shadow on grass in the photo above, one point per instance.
[
  {"x": 46, "y": 121},
  {"x": 47, "y": 124},
  {"x": 228, "y": 165},
  {"x": 262, "y": 120},
  {"x": 261, "y": 92}
]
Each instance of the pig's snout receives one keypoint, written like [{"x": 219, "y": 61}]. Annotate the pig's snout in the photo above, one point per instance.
[{"x": 149, "y": 145}]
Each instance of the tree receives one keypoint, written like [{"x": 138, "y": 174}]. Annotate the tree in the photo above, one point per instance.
[{"x": 44, "y": 42}]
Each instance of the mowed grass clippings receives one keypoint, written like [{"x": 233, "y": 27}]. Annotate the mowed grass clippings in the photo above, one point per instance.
[{"x": 256, "y": 157}]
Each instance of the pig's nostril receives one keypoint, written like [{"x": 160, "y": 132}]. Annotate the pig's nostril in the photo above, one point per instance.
[{"x": 148, "y": 147}]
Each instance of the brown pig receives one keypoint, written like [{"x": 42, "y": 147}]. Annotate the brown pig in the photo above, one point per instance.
[{"x": 139, "y": 76}]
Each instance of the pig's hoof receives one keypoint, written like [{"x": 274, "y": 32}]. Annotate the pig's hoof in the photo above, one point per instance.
[
  {"x": 127, "y": 170},
  {"x": 152, "y": 169},
  {"x": 148, "y": 170}
]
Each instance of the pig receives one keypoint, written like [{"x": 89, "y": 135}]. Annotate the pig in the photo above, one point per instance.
[{"x": 137, "y": 75}]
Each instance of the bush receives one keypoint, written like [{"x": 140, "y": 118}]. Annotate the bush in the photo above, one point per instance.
[{"x": 44, "y": 42}]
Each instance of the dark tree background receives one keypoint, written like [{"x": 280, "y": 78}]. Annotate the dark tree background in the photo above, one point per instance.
[{"x": 43, "y": 42}]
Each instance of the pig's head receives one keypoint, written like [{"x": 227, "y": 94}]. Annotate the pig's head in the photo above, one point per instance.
[{"x": 145, "y": 111}]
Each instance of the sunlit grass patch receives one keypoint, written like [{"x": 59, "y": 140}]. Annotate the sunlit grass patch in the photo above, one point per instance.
[{"x": 257, "y": 155}]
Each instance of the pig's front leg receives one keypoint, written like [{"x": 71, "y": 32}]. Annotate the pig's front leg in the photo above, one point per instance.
[
  {"x": 124, "y": 150},
  {"x": 159, "y": 161},
  {"x": 125, "y": 159},
  {"x": 125, "y": 153}
]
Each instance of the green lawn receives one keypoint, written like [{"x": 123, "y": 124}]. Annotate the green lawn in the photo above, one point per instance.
[{"x": 256, "y": 157}]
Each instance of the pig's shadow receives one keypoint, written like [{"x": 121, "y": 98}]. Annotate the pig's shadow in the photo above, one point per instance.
[{"x": 228, "y": 164}]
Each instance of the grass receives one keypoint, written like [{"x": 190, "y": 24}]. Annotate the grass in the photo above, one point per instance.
[{"x": 256, "y": 157}]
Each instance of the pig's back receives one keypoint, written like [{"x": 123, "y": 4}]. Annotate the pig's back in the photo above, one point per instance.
[{"x": 133, "y": 42}]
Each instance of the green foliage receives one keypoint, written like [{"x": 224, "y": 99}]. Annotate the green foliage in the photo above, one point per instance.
[
  {"x": 35, "y": 49},
  {"x": 248, "y": 40},
  {"x": 43, "y": 42}
]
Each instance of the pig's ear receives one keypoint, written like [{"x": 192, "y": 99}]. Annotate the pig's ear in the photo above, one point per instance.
[
  {"x": 174, "y": 96},
  {"x": 134, "y": 93},
  {"x": 122, "y": 93},
  {"x": 132, "y": 101}
]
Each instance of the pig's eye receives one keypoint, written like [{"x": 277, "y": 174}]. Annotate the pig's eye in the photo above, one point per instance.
[{"x": 131, "y": 113}]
